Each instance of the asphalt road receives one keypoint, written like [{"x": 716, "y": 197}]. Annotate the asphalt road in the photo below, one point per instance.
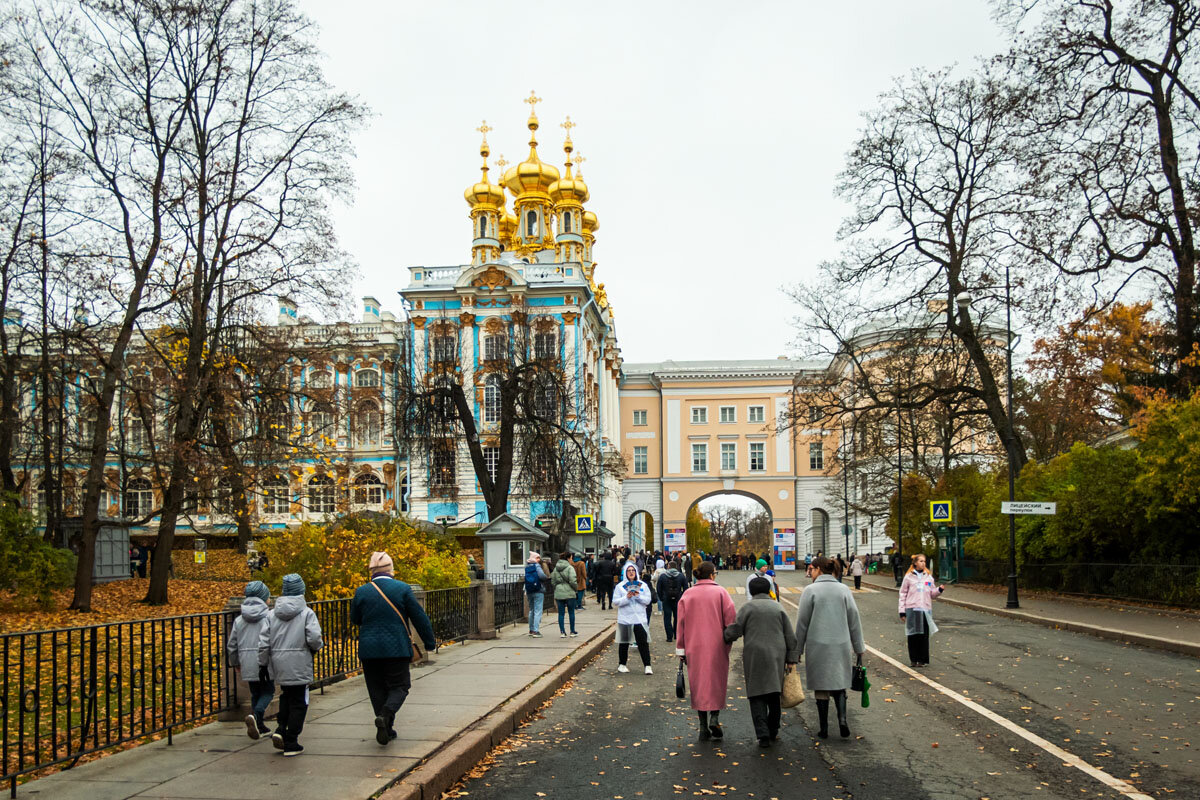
[{"x": 1132, "y": 712}]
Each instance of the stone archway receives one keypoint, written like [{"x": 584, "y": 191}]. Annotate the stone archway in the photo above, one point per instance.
[
  {"x": 818, "y": 531},
  {"x": 642, "y": 530}
]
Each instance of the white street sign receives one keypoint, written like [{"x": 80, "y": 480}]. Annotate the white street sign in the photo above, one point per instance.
[{"x": 1028, "y": 508}]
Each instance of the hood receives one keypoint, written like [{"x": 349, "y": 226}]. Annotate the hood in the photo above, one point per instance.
[
  {"x": 674, "y": 573},
  {"x": 289, "y": 606},
  {"x": 625, "y": 572},
  {"x": 253, "y": 609}
]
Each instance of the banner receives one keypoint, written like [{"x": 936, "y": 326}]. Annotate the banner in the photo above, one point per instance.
[
  {"x": 675, "y": 539},
  {"x": 785, "y": 549}
]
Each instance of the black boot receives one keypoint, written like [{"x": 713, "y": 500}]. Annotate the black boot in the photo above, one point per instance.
[
  {"x": 714, "y": 725},
  {"x": 704, "y": 734},
  {"x": 823, "y": 717},
  {"x": 839, "y": 701}
]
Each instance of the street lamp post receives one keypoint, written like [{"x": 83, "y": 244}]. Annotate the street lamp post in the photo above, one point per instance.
[
  {"x": 964, "y": 302},
  {"x": 899, "y": 482},
  {"x": 845, "y": 495}
]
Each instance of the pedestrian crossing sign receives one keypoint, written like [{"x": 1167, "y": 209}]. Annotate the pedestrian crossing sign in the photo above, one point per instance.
[
  {"x": 585, "y": 523},
  {"x": 941, "y": 511}
]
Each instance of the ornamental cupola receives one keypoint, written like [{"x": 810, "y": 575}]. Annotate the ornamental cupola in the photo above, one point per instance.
[
  {"x": 569, "y": 194},
  {"x": 487, "y": 210},
  {"x": 590, "y": 226},
  {"x": 530, "y": 182}
]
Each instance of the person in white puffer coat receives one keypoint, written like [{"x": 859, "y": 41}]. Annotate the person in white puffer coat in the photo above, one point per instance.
[{"x": 630, "y": 598}]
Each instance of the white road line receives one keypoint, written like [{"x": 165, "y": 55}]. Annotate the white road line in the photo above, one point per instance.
[{"x": 1067, "y": 758}]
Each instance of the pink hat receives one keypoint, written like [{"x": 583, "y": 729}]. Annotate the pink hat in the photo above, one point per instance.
[{"x": 381, "y": 564}]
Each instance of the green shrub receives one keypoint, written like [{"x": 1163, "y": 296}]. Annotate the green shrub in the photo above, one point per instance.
[{"x": 30, "y": 566}]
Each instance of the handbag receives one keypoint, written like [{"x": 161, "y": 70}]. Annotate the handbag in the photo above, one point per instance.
[
  {"x": 858, "y": 680},
  {"x": 417, "y": 655},
  {"x": 793, "y": 689},
  {"x": 680, "y": 682}
]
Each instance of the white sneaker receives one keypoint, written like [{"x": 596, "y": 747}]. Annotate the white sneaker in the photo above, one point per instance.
[
  {"x": 622, "y": 668},
  {"x": 649, "y": 671}
]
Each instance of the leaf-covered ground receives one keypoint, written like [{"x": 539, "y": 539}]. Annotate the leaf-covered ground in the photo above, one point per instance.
[{"x": 117, "y": 601}]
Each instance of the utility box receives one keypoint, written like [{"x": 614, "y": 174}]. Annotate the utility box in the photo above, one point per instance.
[
  {"x": 112, "y": 547},
  {"x": 951, "y": 555}
]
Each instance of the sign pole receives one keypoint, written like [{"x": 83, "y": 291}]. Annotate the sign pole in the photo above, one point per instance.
[{"x": 1013, "y": 602}]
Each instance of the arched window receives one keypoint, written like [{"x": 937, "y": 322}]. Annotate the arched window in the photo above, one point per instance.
[
  {"x": 531, "y": 224},
  {"x": 320, "y": 379},
  {"x": 491, "y": 399},
  {"x": 404, "y": 493},
  {"x": 366, "y": 378},
  {"x": 367, "y": 424},
  {"x": 277, "y": 497},
  {"x": 482, "y": 226},
  {"x": 274, "y": 421},
  {"x": 322, "y": 497},
  {"x": 368, "y": 491},
  {"x": 321, "y": 422},
  {"x": 567, "y": 222},
  {"x": 139, "y": 498}
]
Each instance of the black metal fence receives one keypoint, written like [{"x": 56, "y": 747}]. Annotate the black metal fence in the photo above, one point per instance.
[
  {"x": 70, "y": 692},
  {"x": 1172, "y": 584},
  {"x": 508, "y": 601},
  {"x": 452, "y": 613}
]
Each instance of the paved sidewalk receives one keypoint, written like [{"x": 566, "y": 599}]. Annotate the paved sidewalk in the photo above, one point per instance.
[
  {"x": 341, "y": 758},
  {"x": 1171, "y": 630}
]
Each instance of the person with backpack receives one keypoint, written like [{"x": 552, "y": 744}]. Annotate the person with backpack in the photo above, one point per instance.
[
  {"x": 382, "y": 609},
  {"x": 564, "y": 579},
  {"x": 243, "y": 654},
  {"x": 672, "y": 583},
  {"x": 606, "y": 573},
  {"x": 286, "y": 645},
  {"x": 534, "y": 592}
]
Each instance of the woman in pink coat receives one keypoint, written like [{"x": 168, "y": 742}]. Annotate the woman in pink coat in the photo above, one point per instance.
[
  {"x": 705, "y": 610},
  {"x": 917, "y": 593}
]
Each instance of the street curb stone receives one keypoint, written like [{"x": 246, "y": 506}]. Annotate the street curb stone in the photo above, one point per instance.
[
  {"x": 1115, "y": 634},
  {"x": 441, "y": 770}
]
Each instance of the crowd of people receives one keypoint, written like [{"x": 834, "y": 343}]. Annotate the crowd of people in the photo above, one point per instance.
[{"x": 274, "y": 645}]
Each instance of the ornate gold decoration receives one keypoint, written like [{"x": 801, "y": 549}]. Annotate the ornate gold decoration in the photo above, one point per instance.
[
  {"x": 467, "y": 319},
  {"x": 569, "y": 317},
  {"x": 418, "y": 323},
  {"x": 492, "y": 278},
  {"x": 532, "y": 100}
]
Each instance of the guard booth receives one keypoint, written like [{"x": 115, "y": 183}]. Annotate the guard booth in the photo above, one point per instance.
[
  {"x": 598, "y": 540},
  {"x": 507, "y": 542},
  {"x": 112, "y": 547},
  {"x": 951, "y": 555}
]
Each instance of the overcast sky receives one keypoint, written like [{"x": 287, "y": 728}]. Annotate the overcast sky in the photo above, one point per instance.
[{"x": 713, "y": 134}]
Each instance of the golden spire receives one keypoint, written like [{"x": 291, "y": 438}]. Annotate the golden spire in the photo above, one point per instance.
[
  {"x": 502, "y": 162},
  {"x": 579, "y": 166},
  {"x": 484, "y": 150},
  {"x": 568, "y": 146},
  {"x": 532, "y": 122}
]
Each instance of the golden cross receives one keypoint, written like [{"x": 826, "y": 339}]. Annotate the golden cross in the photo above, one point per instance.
[
  {"x": 533, "y": 100},
  {"x": 579, "y": 165},
  {"x": 484, "y": 128},
  {"x": 567, "y": 126},
  {"x": 501, "y": 162}
]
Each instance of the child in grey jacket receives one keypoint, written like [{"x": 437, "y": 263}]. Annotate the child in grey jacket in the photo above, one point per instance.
[
  {"x": 243, "y": 654},
  {"x": 286, "y": 649}
]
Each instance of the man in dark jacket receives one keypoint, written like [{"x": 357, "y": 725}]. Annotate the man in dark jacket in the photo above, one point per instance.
[
  {"x": 671, "y": 586},
  {"x": 606, "y": 573},
  {"x": 383, "y": 644}
]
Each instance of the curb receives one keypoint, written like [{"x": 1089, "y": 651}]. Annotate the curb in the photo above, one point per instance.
[
  {"x": 441, "y": 770},
  {"x": 1115, "y": 634}
]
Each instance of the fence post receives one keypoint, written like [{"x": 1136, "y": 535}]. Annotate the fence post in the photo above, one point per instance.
[{"x": 484, "y": 597}]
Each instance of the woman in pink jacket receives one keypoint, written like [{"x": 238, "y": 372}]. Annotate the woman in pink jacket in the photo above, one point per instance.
[
  {"x": 705, "y": 610},
  {"x": 916, "y": 609}
]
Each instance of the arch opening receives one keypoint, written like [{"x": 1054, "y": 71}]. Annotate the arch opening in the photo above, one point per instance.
[{"x": 729, "y": 523}]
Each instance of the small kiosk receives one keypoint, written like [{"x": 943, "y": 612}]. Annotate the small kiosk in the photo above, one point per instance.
[
  {"x": 952, "y": 557},
  {"x": 507, "y": 542},
  {"x": 594, "y": 542}
]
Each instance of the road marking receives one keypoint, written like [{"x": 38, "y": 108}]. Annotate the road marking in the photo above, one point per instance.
[{"x": 1065, "y": 757}]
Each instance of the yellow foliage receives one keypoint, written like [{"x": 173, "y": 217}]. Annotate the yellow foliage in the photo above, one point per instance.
[{"x": 333, "y": 558}]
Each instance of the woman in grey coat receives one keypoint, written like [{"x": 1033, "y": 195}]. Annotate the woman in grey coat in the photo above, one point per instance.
[
  {"x": 829, "y": 635},
  {"x": 768, "y": 652}
]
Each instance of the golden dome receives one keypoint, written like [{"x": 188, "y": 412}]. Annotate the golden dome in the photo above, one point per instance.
[
  {"x": 485, "y": 192},
  {"x": 569, "y": 189},
  {"x": 532, "y": 174},
  {"x": 590, "y": 224},
  {"x": 508, "y": 227}
]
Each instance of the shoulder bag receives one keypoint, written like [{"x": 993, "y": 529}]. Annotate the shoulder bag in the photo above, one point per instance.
[
  {"x": 793, "y": 688},
  {"x": 680, "y": 682},
  {"x": 417, "y": 655}
]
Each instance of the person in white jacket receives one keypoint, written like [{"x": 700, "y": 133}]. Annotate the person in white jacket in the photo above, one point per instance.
[{"x": 630, "y": 598}]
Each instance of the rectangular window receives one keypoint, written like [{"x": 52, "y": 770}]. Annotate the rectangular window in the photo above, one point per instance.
[
  {"x": 728, "y": 456},
  {"x": 641, "y": 460},
  {"x": 516, "y": 554},
  {"x": 442, "y": 472},
  {"x": 495, "y": 348},
  {"x": 815, "y": 415},
  {"x": 756, "y": 414},
  {"x": 545, "y": 345},
  {"x": 699, "y": 457},
  {"x": 639, "y": 417},
  {"x": 728, "y": 414},
  {"x": 491, "y": 461},
  {"x": 816, "y": 455},
  {"x": 758, "y": 456},
  {"x": 863, "y": 539},
  {"x": 699, "y": 415},
  {"x": 444, "y": 348}
]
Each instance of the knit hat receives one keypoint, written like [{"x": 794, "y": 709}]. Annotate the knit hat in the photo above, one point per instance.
[
  {"x": 293, "y": 585},
  {"x": 533, "y": 556},
  {"x": 762, "y": 562},
  {"x": 381, "y": 564},
  {"x": 258, "y": 589}
]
